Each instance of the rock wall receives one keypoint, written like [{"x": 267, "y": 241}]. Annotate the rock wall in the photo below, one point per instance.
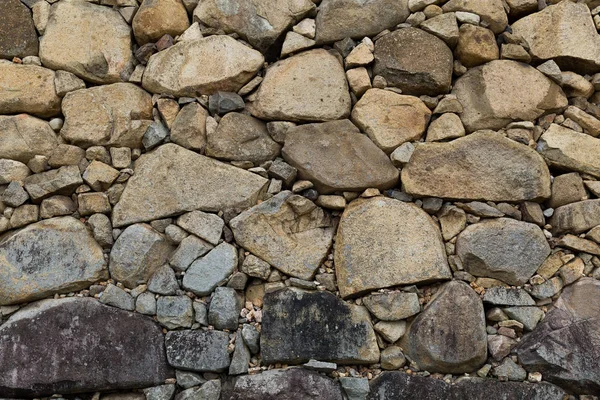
[{"x": 300, "y": 199}]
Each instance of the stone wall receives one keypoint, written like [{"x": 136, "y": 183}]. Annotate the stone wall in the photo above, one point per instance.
[{"x": 300, "y": 199}]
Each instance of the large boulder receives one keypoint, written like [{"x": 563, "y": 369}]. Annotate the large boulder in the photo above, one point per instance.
[
  {"x": 502, "y": 249},
  {"x": 202, "y": 66},
  {"x": 491, "y": 12},
  {"x": 335, "y": 156},
  {"x": 300, "y": 325},
  {"x": 310, "y": 86},
  {"x": 480, "y": 166},
  {"x": 18, "y": 37},
  {"x": 503, "y": 91},
  {"x": 339, "y": 19},
  {"x": 288, "y": 231},
  {"x": 565, "y": 346},
  {"x": 156, "y": 18},
  {"x": 424, "y": 72},
  {"x": 57, "y": 255},
  {"x": 89, "y": 40},
  {"x": 570, "y": 38},
  {"x": 27, "y": 89},
  {"x": 24, "y": 137},
  {"x": 111, "y": 115},
  {"x": 68, "y": 346},
  {"x": 449, "y": 336},
  {"x": 384, "y": 242},
  {"x": 171, "y": 180},
  {"x": 576, "y": 217}
]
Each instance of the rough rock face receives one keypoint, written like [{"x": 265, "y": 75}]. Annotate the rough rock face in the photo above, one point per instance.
[
  {"x": 367, "y": 260},
  {"x": 336, "y": 156},
  {"x": 503, "y": 249},
  {"x": 576, "y": 217},
  {"x": 532, "y": 94},
  {"x": 571, "y": 326},
  {"x": 480, "y": 166},
  {"x": 339, "y": 19},
  {"x": 89, "y": 40},
  {"x": 288, "y": 231},
  {"x": 84, "y": 332},
  {"x": 570, "y": 37},
  {"x": 286, "y": 384},
  {"x": 53, "y": 256},
  {"x": 198, "y": 350},
  {"x": 428, "y": 71},
  {"x": 202, "y": 66},
  {"x": 156, "y": 18},
  {"x": 17, "y": 31},
  {"x": 24, "y": 136},
  {"x": 492, "y": 11},
  {"x": 111, "y": 115},
  {"x": 310, "y": 86},
  {"x": 300, "y": 325},
  {"x": 171, "y": 180},
  {"x": 449, "y": 339},
  {"x": 261, "y": 23},
  {"x": 27, "y": 89}
]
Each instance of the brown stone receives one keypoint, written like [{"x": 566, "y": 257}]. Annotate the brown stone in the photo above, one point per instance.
[
  {"x": 476, "y": 46},
  {"x": 490, "y": 11},
  {"x": 576, "y": 217},
  {"x": 156, "y": 18},
  {"x": 18, "y": 37}
]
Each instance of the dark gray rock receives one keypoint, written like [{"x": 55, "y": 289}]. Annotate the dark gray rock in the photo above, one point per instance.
[
  {"x": 68, "y": 346},
  {"x": 223, "y": 102},
  {"x": 210, "y": 390},
  {"x": 18, "y": 37},
  {"x": 251, "y": 337},
  {"x": 175, "y": 311},
  {"x": 187, "y": 379},
  {"x": 298, "y": 326},
  {"x": 198, "y": 350},
  {"x": 117, "y": 297},
  {"x": 163, "y": 281},
  {"x": 398, "y": 385},
  {"x": 501, "y": 296},
  {"x": 224, "y": 309},
  {"x": 203, "y": 276},
  {"x": 241, "y": 357},
  {"x": 162, "y": 392},
  {"x": 355, "y": 388}
]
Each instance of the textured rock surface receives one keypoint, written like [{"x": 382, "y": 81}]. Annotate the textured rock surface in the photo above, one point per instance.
[
  {"x": 24, "y": 136},
  {"x": 17, "y": 31},
  {"x": 198, "y": 350},
  {"x": 576, "y": 217},
  {"x": 492, "y": 12},
  {"x": 156, "y": 18}
]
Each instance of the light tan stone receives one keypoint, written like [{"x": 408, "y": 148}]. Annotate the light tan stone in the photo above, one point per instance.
[
  {"x": 443, "y": 26},
  {"x": 447, "y": 126},
  {"x": 294, "y": 43},
  {"x": 189, "y": 127},
  {"x": 490, "y": 11},
  {"x": 156, "y": 18},
  {"x": 576, "y": 217},
  {"x": 589, "y": 123},
  {"x": 359, "y": 80},
  {"x": 22, "y": 137}
]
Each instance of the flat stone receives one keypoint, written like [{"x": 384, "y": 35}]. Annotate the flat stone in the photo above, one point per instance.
[
  {"x": 89, "y": 40},
  {"x": 340, "y": 19},
  {"x": 27, "y": 89},
  {"x": 188, "y": 251},
  {"x": 73, "y": 366},
  {"x": 18, "y": 37},
  {"x": 172, "y": 179},
  {"x": 443, "y": 26},
  {"x": 154, "y": 19},
  {"x": 392, "y": 306},
  {"x": 204, "y": 225},
  {"x": 507, "y": 297},
  {"x": 512, "y": 91},
  {"x": 117, "y": 297},
  {"x": 528, "y": 316},
  {"x": 427, "y": 72},
  {"x": 481, "y": 166},
  {"x": 202, "y": 66},
  {"x": 189, "y": 128},
  {"x": 299, "y": 325},
  {"x": 392, "y": 385},
  {"x": 202, "y": 351},
  {"x": 570, "y": 37},
  {"x": 576, "y": 217},
  {"x": 288, "y": 231},
  {"x": 411, "y": 236},
  {"x": 56, "y": 181},
  {"x": 110, "y": 115},
  {"x": 206, "y": 273},
  {"x": 174, "y": 311},
  {"x": 445, "y": 338},
  {"x": 390, "y": 119},
  {"x": 310, "y": 86},
  {"x": 335, "y": 156},
  {"x": 224, "y": 309},
  {"x": 492, "y": 12}
]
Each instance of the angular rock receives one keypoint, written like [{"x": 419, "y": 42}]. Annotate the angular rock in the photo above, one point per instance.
[
  {"x": 164, "y": 281},
  {"x": 392, "y": 306},
  {"x": 503, "y": 91},
  {"x": 507, "y": 297},
  {"x": 367, "y": 260},
  {"x": 117, "y": 297},
  {"x": 18, "y": 37},
  {"x": 528, "y": 316},
  {"x": 390, "y": 119},
  {"x": 476, "y": 46},
  {"x": 111, "y": 115},
  {"x": 298, "y": 326},
  {"x": 225, "y": 307},
  {"x": 189, "y": 128},
  {"x": 56, "y": 181},
  {"x": 202, "y": 66},
  {"x": 576, "y": 217},
  {"x": 24, "y": 137},
  {"x": 492, "y": 11},
  {"x": 443, "y": 26},
  {"x": 73, "y": 366},
  {"x": 310, "y": 86},
  {"x": 204, "y": 225},
  {"x": 188, "y": 251},
  {"x": 240, "y": 359},
  {"x": 481, "y": 166},
  {"x": 203, "y": 351},
  {"x": 481, "y": 389},
  {"x": 89, "y": 40},
  {"x": 156, "y": 18},
  {"x": 335, "y": 156},
  {"x": 203, "y": 276},
  {"x": 171, "y": 179},
  {"x": 428, "y": 72},
  {"x": 174, "y": 311},
  {"x": 11, "y": 170}
]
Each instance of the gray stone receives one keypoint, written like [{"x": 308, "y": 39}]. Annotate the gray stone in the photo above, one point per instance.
[
  {"x": 501, "y": 296},
  {"x": 33, "y": 371},
  {"x": 203, "y": 351},
  {"x": 145, "y": 303},
  {"x": 189, "y": 128},
  {"x": 24, "y": 137},
  {"x": 355, "y": 388},
  {"x": 52, "y": 256},
  {"x": 101, "y": 229},
  {"x": 481, "y": 389},
  {"x": 251, "y": 337},
  {"x": 57, "y": 181},
  {"x": 391, "y": 330},
  {"x": 65, "y": 82},
  {"x": 206, "y": 226},
  {"x": 189, "y": 250},
  {"x": 154, "y": 135},
  {"x": 206, "y": 273},
  {"x": 321, "y": 366},
  {"x": 175, "y": 311},
  {"x": 224, "y": 309},
  {"x": 510, "y": 370},
  {"x": 117, "y": 297},
  {"x": 392, "y": 358},
  {"x": 240, "y": 359},
  {"x": 546, "y": 289},
  {"x": 528, "y": 316},
  {"x": 392, "y": 306},
  {"x": 162, "y": 392},
  {"x": 187, "y": 379},
  {"x": 11, "y": 170},
  {"x": 14, "y": 195},
  {"x": 163, "y": 281},
  {"x": 500, "y": 346},
  {"x": 576, "y": 217},
  {"x": 221, "y": 103},
  {"x": 210, "y": 390},
  {"x": 200, "y": 313}
]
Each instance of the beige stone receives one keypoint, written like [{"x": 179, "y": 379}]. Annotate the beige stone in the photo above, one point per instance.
[
  {"x": 490, "y": 11},
  {"x": 567, "y": 188},
  {"x": 156, "y": 18},
  {"x": 443, "y": 26},
  {"x": 93, "y": 203},
  {"x": 576, "y": 217},
  {"x": 23, "y": 137},
  {"x": 294, "y": 43},
  {"x": 447, "y": 126},
  {"x": 575, "y": 85},
  {"x": 189, "y": 127},
  {"x": 589, "y": 123},
  {"x": 520, "y": 8},
  {"x": 359, "y": 80},
  {"x": 476, "y": 46},
  {"x": 360, "y": 56}
]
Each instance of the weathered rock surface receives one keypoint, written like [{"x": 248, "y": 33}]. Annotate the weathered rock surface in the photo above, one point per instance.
[
  {"x": 189, "y": 128},
  {"x": 18, "y": 37},
  {"x": 53, "y": 256},
  {"x": 298, "y": 326},
  {"x": 24, "y": 137},
  {"x": 335, "y": 156},
  {"x": 156, "y": 18},
  {"x": 576, "y": 217},
  {"x": 198, "y": 350},
  {"x": 392, "y": 306},
  {"x": 82, "y": 335},
  {"x": 503, "y": 91},
  {"x": 55, "y": 181},
  {"x": 390, "y": 119},
  {"x": 427, "y": 71},
  {"x": 202, "y": 66},
  {"x": 282, "y": 384},
  {"x": 89, "y": 40},
  {"x": 492, "y": 11},
  {"x": 310, "y": 86},
  {"x": 171, "y": 180},
  {"x": 565, "y": 346},
  {"x": 480, "y": 166},
  {"x": 570, "y": 38},
  {"x": 203, "y": 276},
  {"x": 503, "y": 249},
  {"x": 411, "y": 251},
  {"x": 399, "y": 385},
  {"x": 27, "y": 89},
  {"x": 288, "y": 231},
  {"x": 339, "y": 19}
]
